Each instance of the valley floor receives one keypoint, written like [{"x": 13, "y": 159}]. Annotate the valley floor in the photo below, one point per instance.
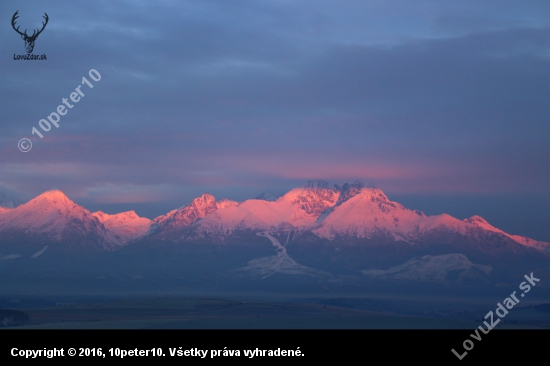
[{"x": 193, "y": 313}]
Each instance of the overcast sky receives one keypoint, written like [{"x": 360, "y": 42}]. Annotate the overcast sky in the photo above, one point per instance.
[{"x": 423, "y": 99}]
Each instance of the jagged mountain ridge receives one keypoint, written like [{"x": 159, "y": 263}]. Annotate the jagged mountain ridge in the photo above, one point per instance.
[
  {"x": 353, "y": 211},
  {"x": 53, "y": 216},
  {"x": 345, "y": 235},
  {"x": 330, "y": 213}
]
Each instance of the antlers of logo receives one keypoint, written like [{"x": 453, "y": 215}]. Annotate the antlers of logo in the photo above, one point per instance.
[{"x": 29, "y": 40}]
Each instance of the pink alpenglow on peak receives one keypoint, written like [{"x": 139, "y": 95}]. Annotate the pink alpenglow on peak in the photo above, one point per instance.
[
  {"x": 370, "y": 212},
  {"x": 350, "y": 211},
  {"x": 199, "y": 208},
  {"x": 482, "y": 223},
  {"x": 367, "y": 212},
  {"x": 314, "y": 198},
  {"x": 255, "y": 215},
  {"x": 127, "y": 225},
  {"x": 49, "y": 205},
  {"x": 299, "y": 208},
  {"x": 54, "y": 215},
  {"x": 225, "y": 203},
  {"x": 55, "y": 197},
  {"x": 123, "y": 217}
]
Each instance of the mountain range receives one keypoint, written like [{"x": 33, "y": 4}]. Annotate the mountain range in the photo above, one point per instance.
[{"x": 326, "y": 233}]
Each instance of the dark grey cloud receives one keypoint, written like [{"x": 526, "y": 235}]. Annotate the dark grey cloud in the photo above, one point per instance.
[{"x": 242, "y": 96}]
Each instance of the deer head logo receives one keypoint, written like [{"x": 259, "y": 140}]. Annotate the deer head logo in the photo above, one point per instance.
[{"x": 29, "y": 40}]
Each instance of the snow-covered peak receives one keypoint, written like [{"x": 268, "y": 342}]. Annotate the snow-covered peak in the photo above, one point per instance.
[
  {"x": 54, "y": 215},
  {"x": 126, "y": 225},
  {"x": 203, "y": 205},
  {"x": 374, "y": 195},
  {"x": 54, "y": 198},
  {"x": 255, "y": 214},
  {"x": 371, "y": 213},
  {"x": 54, "y": 202},
  {"x": 53, "y": 194},
  {"x": 314, "y": 198},
  {"x": 127, "y": 216},
  {"x": 349, "y": 190},
  {"x": 479, "y": 221},
  {"x": 184, "y": 216},
  {"x": 225, "y": 202}
]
